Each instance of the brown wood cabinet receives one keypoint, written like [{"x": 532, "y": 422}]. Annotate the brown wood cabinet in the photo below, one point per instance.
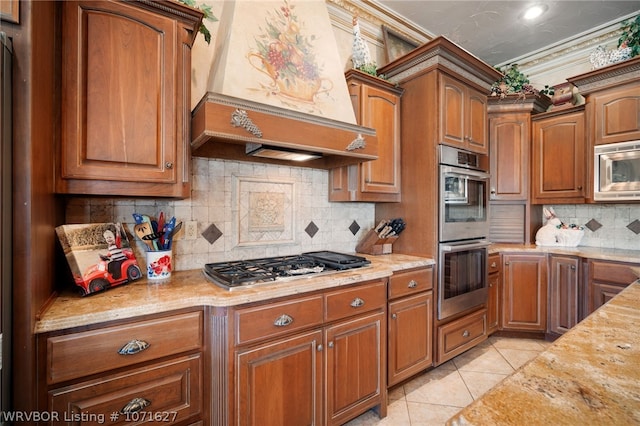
[
  {"x": 564, "y": 293},
  {"x": 295, "y": 357},
  {"x": 463, "y": 118},
  {"x": 606, "y": 279},
  {"x": 376, "y": 104},
  {"x": 410, "y": 322},
  {"x": 493, "y": 302},
  {"x": 126, "y": 98},
  {"x": 559, "y": 157},
  {"x": 524, "y": 292},
  {"x": 137, "y": 369},
  {"x": 460, "y": 335},
  {"x": 616, "y": 114}
]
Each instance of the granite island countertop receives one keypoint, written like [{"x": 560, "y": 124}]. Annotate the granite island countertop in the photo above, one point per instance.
[
  {"x": 589, "y": 376},
  {"x": 185, "y": 289},
  {"x": 600, "y": 253}
]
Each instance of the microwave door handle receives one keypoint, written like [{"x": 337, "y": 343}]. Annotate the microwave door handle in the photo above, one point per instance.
[{"x": 460, "y": 247}]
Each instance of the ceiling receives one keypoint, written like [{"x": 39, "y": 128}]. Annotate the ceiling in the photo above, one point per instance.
[{"x": 494, "y": 30}]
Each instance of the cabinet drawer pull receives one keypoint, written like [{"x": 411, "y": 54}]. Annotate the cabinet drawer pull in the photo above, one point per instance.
[
  {"x": 394, "y": 316},
  {"x": 135, "y": 405},
  {"x": 320, "y": 348},
  {"x": 330, "y": 344},
  {"x": 413, "y": 284},
  {"x": 493, "y": 264},
  {"x": 168, "y": 165},
  {"x": 283, "y": 321},
  {"x": 133, "y": 347},
  {"x": 466, "y": 333},
  {"x": 357, "y": 302}
]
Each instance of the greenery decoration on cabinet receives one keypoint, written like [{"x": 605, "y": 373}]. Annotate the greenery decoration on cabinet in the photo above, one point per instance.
[
  {"x": 208, "y": 15},
  {"x": 630, "y": 37},
  {"x": 515, "y": 81}
]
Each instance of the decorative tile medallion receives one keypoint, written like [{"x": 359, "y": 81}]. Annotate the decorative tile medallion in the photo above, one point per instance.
[
  {"x": 265, "y": 210},
  {"x": 354, "y": 227},
  {"x": 593, "y": 225}
]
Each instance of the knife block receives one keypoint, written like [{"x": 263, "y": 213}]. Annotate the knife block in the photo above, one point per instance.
[{"x": 371, "y": 244}]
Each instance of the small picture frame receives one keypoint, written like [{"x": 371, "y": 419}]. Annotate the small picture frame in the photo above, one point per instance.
[{"x": 395, "y": 44}]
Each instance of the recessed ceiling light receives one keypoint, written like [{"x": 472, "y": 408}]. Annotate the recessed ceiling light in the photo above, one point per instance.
[{"x": 534, "y": 11}]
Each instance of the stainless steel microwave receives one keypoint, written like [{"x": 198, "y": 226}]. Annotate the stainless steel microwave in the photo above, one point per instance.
[{"x": 617, "y": 171}]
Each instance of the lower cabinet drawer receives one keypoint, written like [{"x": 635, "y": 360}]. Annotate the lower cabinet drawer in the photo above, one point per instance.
[
  {"x": 75, "y": 355},
  {"x": 166, "y": 393},
  {"x": 461, "y": 334},
  {"x": 275, "y": 319},
  {"x": 348, "y": 302}
]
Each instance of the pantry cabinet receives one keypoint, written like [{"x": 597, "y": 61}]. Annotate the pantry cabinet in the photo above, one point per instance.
[
  {"x": 463, "y": 118},
  {"x": 410, "y": 322},
  {"x": 126, "y": 98},
  {"x": 524, "y": 292},
  {"x": 376, "y": 104},
  {"x": 134, "y": 369},
  {"x": 293, "y": 357},
  {"x": 559, "y": 157},
  {"x": 565, "y": 293}
]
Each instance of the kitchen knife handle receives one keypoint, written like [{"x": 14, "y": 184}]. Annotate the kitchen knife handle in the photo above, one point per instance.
[{"x": 283, "y": 320}]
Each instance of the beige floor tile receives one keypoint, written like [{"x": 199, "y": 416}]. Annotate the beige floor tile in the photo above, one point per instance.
[
  {"x": 517, "y": 358},
  {"x": 430, "y": 414},
  {"x": 478, "y": 383},
  {"x": 396, "y": 393},
  {"x": 521, "y": 344},
  {"x": 483, "y": 359},
  {"x": 397, "y": 415},
  {"x": 440, "y": 387}
]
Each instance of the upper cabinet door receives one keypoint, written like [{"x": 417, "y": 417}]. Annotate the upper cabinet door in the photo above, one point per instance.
[
  {"x": 463, "y": 116},
  {"x": 509, "y": 158},
  {"x": 558, "y": 174},
  {"x": 617, "y": 114},
  {"x": 123, "y": 100}
]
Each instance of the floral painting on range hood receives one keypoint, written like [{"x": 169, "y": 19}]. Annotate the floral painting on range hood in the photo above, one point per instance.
[{"x": 277, "y": 82}]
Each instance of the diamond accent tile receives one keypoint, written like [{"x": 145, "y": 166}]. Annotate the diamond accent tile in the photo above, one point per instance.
[
  {"x": 311, "y": 229},
  {"x": 593, "y": 225},
  {"x": 634, "y": 226},
  {"x": 354, "y": 227},
  {"x": 212, "y": 233}
]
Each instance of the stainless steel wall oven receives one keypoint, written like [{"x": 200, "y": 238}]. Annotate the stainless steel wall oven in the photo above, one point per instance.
[{"x": 463, "y": 227}]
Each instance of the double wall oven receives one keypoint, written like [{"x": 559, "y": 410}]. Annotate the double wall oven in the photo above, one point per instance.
[{"x": 463, "y": 229}]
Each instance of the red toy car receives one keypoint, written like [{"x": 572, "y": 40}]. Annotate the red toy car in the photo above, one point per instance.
[{"x": 102, "y": 275}]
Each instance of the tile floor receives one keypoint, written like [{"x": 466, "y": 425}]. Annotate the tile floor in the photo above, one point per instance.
[{"x": 431, "y": 398}]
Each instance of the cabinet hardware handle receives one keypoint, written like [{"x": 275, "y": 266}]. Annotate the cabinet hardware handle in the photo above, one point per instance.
[
  {"x": 506, "y": 263},
  {"x": 168, "y": 165},
  {"x": 413, "y": 284},
  {"x": 490, "y": 284},
  {"x": 135, "y": 405},
  {"x": 573, "y": 267},
  {"x": 283, "y": 320},
  {"x": 240, "y": 118},
  {"x": 466, "y": 333},
  {"x": 320, "y": 348},
  {"x": 394, "y": 316},
  {"x": 493, "y": 191},
  {"x": 133, "y": 347},
  {"x": 493, "y": 265},
  {"x": 330, "y": 344},
  {"x": 580, "y": 187},
  {"x": 357, "y": 302}
]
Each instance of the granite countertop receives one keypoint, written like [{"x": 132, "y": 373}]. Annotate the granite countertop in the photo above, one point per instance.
[
  {"x": 618, "y": 255},
  {"x": 187, "y": 289},
  {"x": 589, "y": 376}
]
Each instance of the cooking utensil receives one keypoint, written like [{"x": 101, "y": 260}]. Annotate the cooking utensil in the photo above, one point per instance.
[
  {"x": 174, "y": 231},
  {"x": 142, "y": 230},
  {"x": 168, "y": 233}
]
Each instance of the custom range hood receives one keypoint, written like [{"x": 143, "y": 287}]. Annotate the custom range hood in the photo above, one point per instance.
[{"x": 277, "y": 91}]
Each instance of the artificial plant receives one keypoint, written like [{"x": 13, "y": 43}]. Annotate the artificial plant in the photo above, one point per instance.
[
  {"x": 630, "y": 36},
  {"x": 515, "y": 82},
  {"x": 208, "y": 15}
]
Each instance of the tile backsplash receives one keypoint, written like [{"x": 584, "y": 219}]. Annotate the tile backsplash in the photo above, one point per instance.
[
  {"x": 242, "y": 211},
  {"x": 606, "y": 225}
]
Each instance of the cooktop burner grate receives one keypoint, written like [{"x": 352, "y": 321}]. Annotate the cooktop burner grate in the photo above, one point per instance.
[{"x": 247, "y": 272}]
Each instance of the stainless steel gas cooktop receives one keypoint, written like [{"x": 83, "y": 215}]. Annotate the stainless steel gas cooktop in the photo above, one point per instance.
[{"x": 248, "y": 273}]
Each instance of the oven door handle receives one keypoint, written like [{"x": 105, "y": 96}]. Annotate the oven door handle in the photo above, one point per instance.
[
  {"x": 466, "y": 173},
  {"x": 465, "y": 246}
]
